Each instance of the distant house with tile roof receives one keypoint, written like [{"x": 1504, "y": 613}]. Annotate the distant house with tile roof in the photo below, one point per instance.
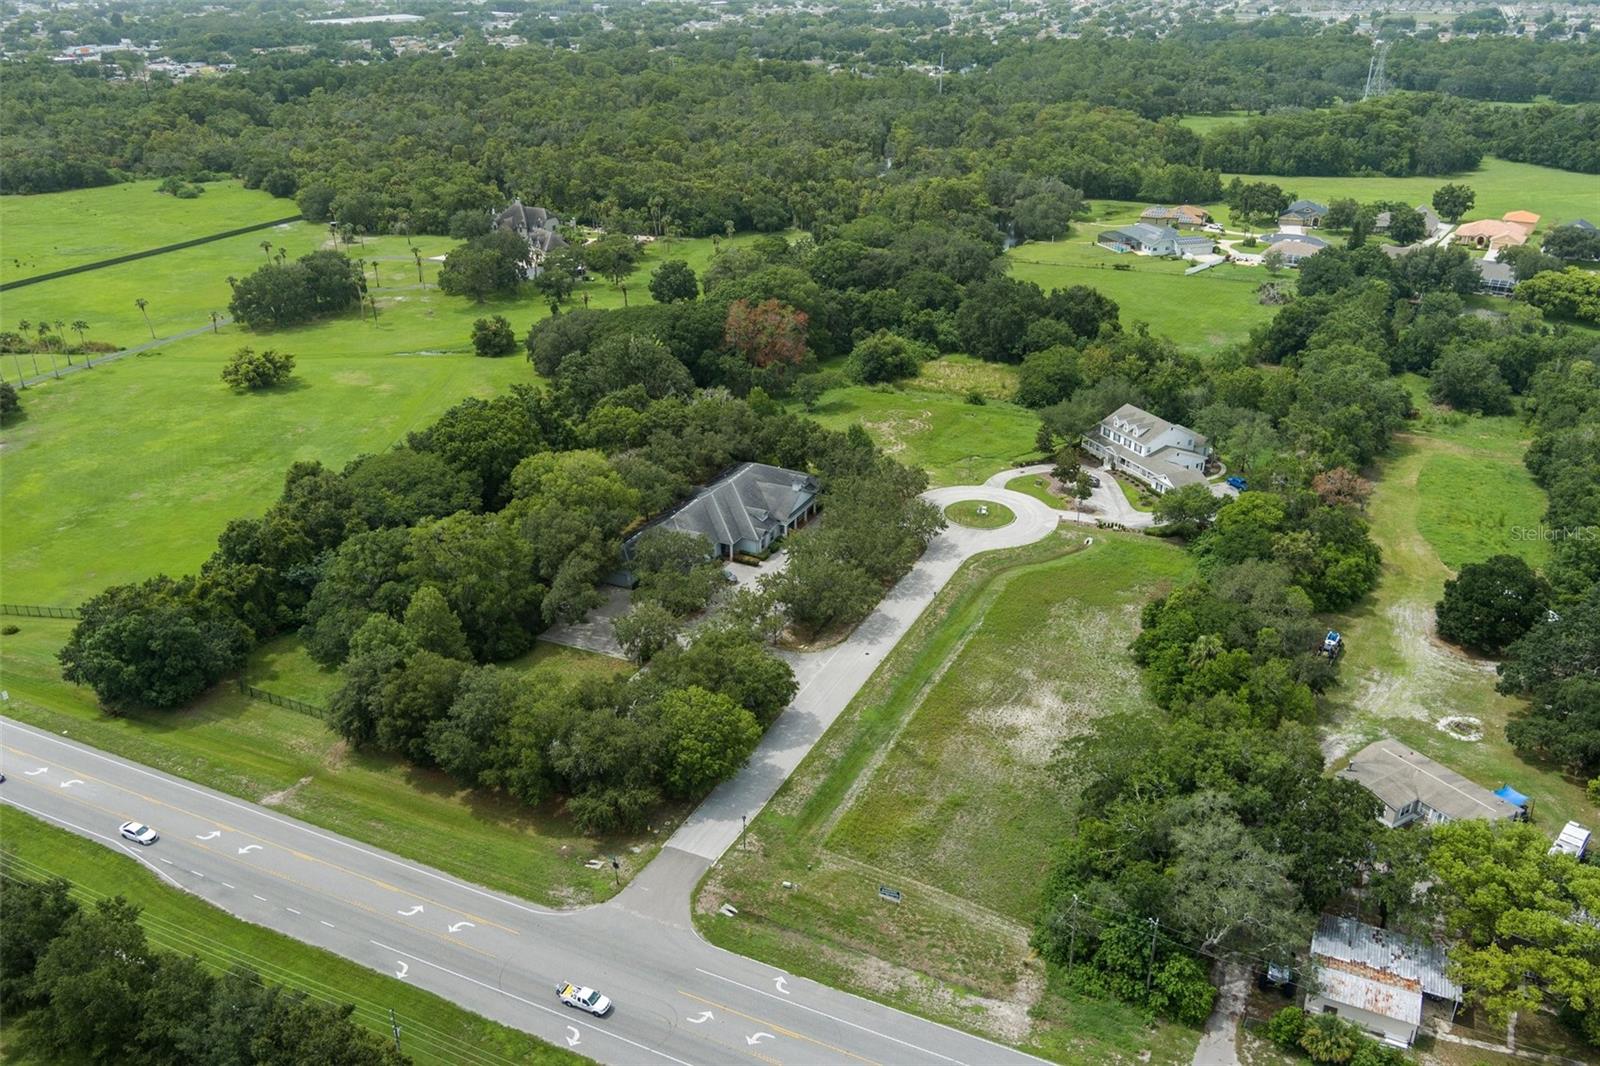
[
  {"x": 1145, "y": 239},
  {"x": 1376, "y": 979},
  {"x": 743, "y": 511},
  {"x": 1303, "y": 213},
  {"x": 1511, "y": 229},
  {"x": 1183, "y": 216},
  {"x": 1295, "y": 251},
  {"x": 1162, "y": 454}
]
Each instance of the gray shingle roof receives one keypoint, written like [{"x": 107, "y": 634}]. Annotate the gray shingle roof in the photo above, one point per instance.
[
  {"x": 744, "y": 503},
  {"x": 1397, "y": 775}
]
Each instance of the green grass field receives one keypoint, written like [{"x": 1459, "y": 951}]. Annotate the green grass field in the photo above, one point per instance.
[
  {"x": 1203, "y": 312},
  {"x": 958, "y": 443},
  {"x": 42, "y": 233},
  {"x": 1556, "y": 195},
  {"x": 1038, "y": 486},
  {"x": 296, "y": 764},
  {"x": 980, "y": 515},
  {"x": 160, "y": 455},
  {"x": 936, "y": 780},
  {"x": 1454, "y": 491},
  {"x": 434, "y": 1030}
]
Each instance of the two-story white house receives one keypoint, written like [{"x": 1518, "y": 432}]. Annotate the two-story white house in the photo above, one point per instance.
[{"x": 1159, "y": 453}]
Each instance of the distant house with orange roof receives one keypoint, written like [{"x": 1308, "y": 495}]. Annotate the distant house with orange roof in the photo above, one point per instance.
[
  {"x": 1512, "y": 228},
  {"x": 1184, "y": 216}
]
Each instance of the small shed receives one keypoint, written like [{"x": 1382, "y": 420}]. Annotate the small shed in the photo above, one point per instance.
[{"x": 1573, "y": 840}]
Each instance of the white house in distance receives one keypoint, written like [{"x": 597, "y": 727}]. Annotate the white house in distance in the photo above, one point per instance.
[
  {"x": 1375, "y": 979},
  {"x": 1159, "y": 453}
]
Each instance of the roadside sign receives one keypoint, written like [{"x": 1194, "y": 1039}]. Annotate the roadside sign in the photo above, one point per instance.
[{"x": 893, "y": 895}]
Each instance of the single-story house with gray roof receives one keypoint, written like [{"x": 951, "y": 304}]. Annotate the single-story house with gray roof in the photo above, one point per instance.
[
  {"x": 1145, "y": 239},
  {"x": 1413, "y": 787},
  {"x": 1494, "y": 277},
  {"x": 743, "y": 511}
]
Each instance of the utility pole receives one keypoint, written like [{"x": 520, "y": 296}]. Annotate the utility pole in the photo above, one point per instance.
[
  {"x": 1150, "y": 970},
  {"x": 394, "y": 1023},
  {"x": 1072, "y": 939}
]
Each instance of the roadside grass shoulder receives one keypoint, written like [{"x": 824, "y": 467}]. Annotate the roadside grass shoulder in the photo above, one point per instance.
[
  {"x": 957, "y": 442},
  {"x": 295, "y": 764},
  {"x": 936, "y": 780},
  {"x": 435, "y": 1030},
  {"x": 50, "y": 231}
]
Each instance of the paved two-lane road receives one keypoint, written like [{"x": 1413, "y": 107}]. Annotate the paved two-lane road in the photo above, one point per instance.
[{"x": 679, "y": 999}]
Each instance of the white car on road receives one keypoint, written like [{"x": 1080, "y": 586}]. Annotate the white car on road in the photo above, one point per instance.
[
  {"x": 584, "y": 999},
  {"x": 139, "y": 833}
]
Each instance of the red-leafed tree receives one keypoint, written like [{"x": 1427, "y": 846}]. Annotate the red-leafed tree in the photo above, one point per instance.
[
  {"x": 766, "y": 333},
  {"x": 1341, "y": 487}
]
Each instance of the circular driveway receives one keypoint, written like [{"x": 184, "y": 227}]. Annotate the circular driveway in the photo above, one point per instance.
[{"x": 1035, "y": 519}]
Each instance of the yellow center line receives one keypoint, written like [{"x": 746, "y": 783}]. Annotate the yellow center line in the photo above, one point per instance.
[
  {"x": 84, "y": 801},
  {"x": 777, "y": 1030}
]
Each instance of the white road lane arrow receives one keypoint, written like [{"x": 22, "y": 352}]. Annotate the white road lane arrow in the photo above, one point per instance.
[
  {"x": 74, "y": 781},
  {"x": 404, "y": 969},
  {"x": 414, "y": 911},
  {"x": 456, "y": 927},
  {"x": 758, "y": 1037},
  {"x": 214, "y": 834},
  {"x": 781, "y": 983},
  {"x": 572, "y": 1036},
  {"x": 248, "y": 848},
  {"x": 701, "y": 1018},
  {"x": 36, "y": 773}
]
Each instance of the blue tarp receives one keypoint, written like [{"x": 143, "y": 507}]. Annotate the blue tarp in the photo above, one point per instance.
[{"x": 1511, "y": 796}]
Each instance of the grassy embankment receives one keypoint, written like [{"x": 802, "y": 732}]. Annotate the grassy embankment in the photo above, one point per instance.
[
  {"x": 936, "y": 780},
  {"x": 1454, "y": 491},
  {"x": 434, "y": 1030}
]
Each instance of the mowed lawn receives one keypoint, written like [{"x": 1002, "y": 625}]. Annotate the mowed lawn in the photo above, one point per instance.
[
  {"x": 50, "y": 231},
  {"x": 1203, "y": 312},
  {"x": 134, "y": 467},
  {"x": 1556, "y": 195},
  {"x": 1454, "y": 491},
  {"x": 293, "y": 762},
  {"x": 435, "y": 1030},
  {"x": 957, "y": 442},
  {"x": 935, "y": 781}
]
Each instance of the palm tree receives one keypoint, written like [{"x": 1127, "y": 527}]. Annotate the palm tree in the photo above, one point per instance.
[
  {"x": 80, "y": 327},
  {"x": 61, "y": 332},
  {"x": 283, "y": 253},
  {"x": 1206, "y": 646},
  {"x": 214, "y": 317},
  {"x": 416, "y": 253},
  {"x": 333, "y": 232},
  {"x": 373, "y": 300},
  {"x": 43, "y": 329},
  {"x": 24, "y": 326},
  {"x": 141, "y": 303},
  {"x": 266, "y": 246}
]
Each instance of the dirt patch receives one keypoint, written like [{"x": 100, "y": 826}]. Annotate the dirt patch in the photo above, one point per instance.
[
  {"x": 277, "y": 799},
  {"x": 1461, "y": 727},
  {"x": 891, "y": 432},
  {"x": 1004, "y": 1019},
  {"x": 338, "y": 752}
]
